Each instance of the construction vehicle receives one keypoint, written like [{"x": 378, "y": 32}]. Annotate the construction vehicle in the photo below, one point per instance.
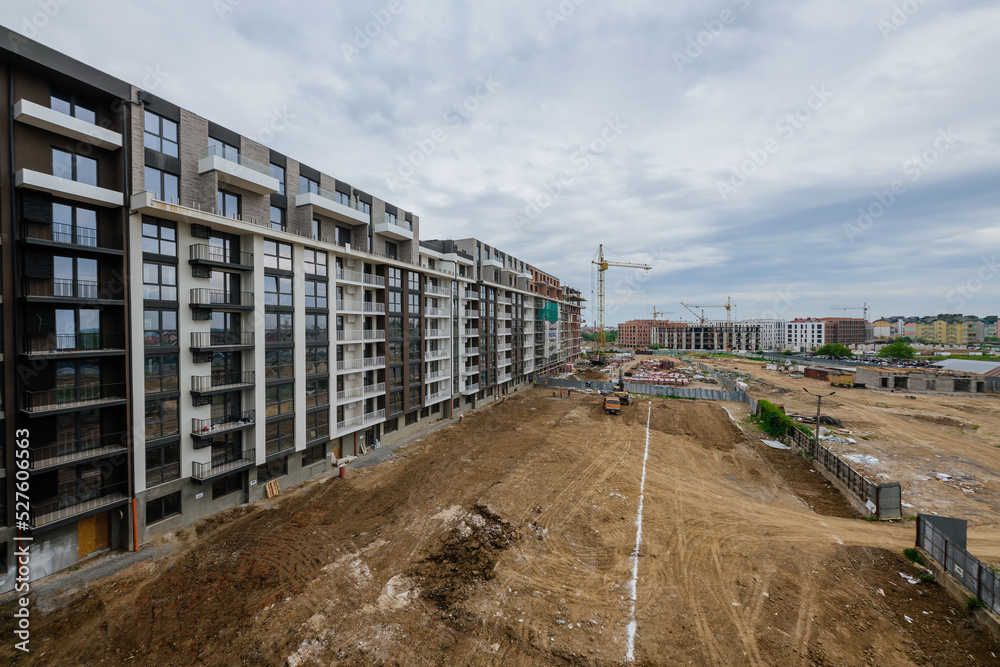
[
  {"x": 612, "y": 405},
  {"x": 619, "y": 390},
  {"x": 600, "y": 346}
]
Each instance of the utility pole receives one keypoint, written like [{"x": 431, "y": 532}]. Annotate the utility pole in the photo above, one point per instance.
[{"x": 819, "y": 400}]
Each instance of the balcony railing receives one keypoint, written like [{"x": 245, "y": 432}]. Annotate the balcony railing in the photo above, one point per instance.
[
  {"x": 81, "y": 236},
  {"x": 470, "y": 370},
  {"x": 372, "y": 307},
  {"x": 203, "y": 339},
  {"x": 470, "y": 388},
  {"x": 504, "y": 332},
  {"x": 437, "y": 396},
  {"x": 504, "y": 347},
  {"x": 349, "y": 306},
  {"x": 373, "y": 280},
  {"x": 437, "y": 291},
  {"x": 69, "y": 288},
  {"x": 73, "y": 396},
  {"x": 221, "y": 380},
  {"x": 503, "y": 301},
  {"x": 504, "y": 378},
  {"x": 470, "y": 333},
  {"x": 227, "y": 153},
  {"x": 73, "y": 342},
  {"x": 403, "y": 224},
  {"x": 470, "y": 314},
  {"x": 203, "y": 471},
  {"x": 435, "y": 354},
  {"x": 338, "y": 197},
  {"x": 350, "y": 424},
  {"x": 374, "y": 362},
  {"x": 80, "y": 501},
  {"x": 222, "y": 298},
  {"x": 78, "y": 448},
  {"x": 222, "y": 423},
  {"x": 436, "y": 375},
  {"x": 348, "y": 276},
  {"x": 470, "y": 351},
  {"x": 374, "y": 389},
  {"x": 468, "y": 294},
  {"x": 360, "y": 334},
  {"x": 209, "y": 253},
  {"x": 436, "y": 312},
  {"x": 373, "y": 417},
  {"x": 435, "y": 333}
]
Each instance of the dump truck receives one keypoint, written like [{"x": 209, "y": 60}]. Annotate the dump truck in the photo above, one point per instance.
[{"x": 612, "y": 405}]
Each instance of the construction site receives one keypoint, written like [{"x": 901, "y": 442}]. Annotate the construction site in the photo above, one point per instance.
[{"x": 510, "y": 538}]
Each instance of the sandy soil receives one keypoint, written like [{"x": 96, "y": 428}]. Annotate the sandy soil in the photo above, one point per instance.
[
  {"x": 507, "y": 540},
  {"x": 913, "y": 436}
]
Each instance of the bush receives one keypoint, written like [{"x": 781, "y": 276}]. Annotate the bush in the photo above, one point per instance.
[
  {"x": 972, "y": 602},
  {"x": 927, "y": 578},
  {"x": 913, "y": 555},
  {"x": 774, "y": 422}
]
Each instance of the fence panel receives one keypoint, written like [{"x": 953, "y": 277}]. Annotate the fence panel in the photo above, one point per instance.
[{"x": 975, "y": 577}]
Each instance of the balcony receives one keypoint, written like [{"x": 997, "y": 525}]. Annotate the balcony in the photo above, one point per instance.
[
  {"x": 430, "y": 355},
  {"x": 395, "y": 229},
  {"x": 436, "y": 376},
  {"x": 437, "y": 291},
  {"x": 374, "y": 390},
  {"x": 504, "y": 332},
  {"x": 470, "y": 333},
  {"x": 217, "y": 299},
  {"x": 71, "y": 289},
  {"x": 469, "y": 370},
  {"x": 436, "y": 312},
  {"x": 331, "y": 204},
  {"x": 374, "y": 362},
  {"x": 470, "y": 314},
  {"x": 75, "y": 396},
  {"x": 374, "y": 417},
  {"x": 373, "y": 280},
  {"x": 346, "y": 276},
  {"x": 222, "y": 382},
  {"x": 82, "y": 502},
  {"x": 503, "y": 301},
  {"x": 470, "y": 388},
  {"x": 204, "y": 472},
  {"x": 348, "y": 335},
  {"x": 470, "y": 351},
  {"x": 46, "y": 118},
  {"x": 494, "y": 262},
  {"x": 214, "y": 256},
  {"x": 503, "y": 362},
  {"x": 220, "y": 424},
  {"x": 349, "y": 365},
  {"x": 75, "y": 450},
  {"x": 436, "y": 333},
  {"x": 221, "y": 340},
  {"x": 372, "y": 307},
  {"x": 470, "y": 295},
  {"x": 61, "y": 234},
  {"x": 234, "y": 169},
  {"x": 503, "y": 315},
  {"x": 437, "y": 397},
  {"x": 67, "y": 189},
  {"x": 504, "y": 378},
  {"x": 504, "y": 347},
  {"x": 73, "y": 343}
]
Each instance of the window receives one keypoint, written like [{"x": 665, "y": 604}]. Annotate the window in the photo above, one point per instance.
[
  {"x": 390, "y": 218},
  {"x": 162, "y": 184},
  {"x": 72, "y": 106},
  {"x": 395, "y": 302},
  {"x": 316, "y": 359},
  {"x": 396, "y": 377},
  {"x": 74, "y": 167},
  {"x": 161, "y": 508},
  {"x": 414, "y": 327},
  {"x": 279, "y": 400},
  {"x": 413, "y": 281},
  {"x": 317, "y": 393},
  {"x": 162, "y": 418},
  {"x": 72, "y": 224},
  {"x": 308, "y": 185},
  {"x": 341, "y": 235},
  {"x": 315, "y": 262},
  {"x": 226, "y": 485},
  {"x": 316, "y": 227},
  {"x": 317, "y": 425},
  {"x": 277, "y": 291},
  {"x": 161, "y": 374},
  {"x": 394, "y": 277},
  {"x": 159, "y": 281},
  {"x": 160, "y": 328},
  {"x": 364, "y": 207},
  {"x": 279, "y": 436},
  {"x": 317, "y": 328},
  {"x": 414, "y": 397},
  {"x": 279, "y": 173},
  {"x": 279, "y": 364},
  {"x": 163, "y": 463},
  {"x": 278, "y": 218},
  {"x": 342, "y": 198},
  {"x": 414, "y": 303},
  {"x": 278, "y": 328},
  {"x": 394, "y": 353},
  {"x": 272, "y": 470},
  {"x": 391, "y": 250},
  {"x": 314, "y": 454},
  {"x": 160, "y": 134},
  {"x": 395, "y": 403},
  {"x": 159, "y": 239},
  {"x": 395, "y": 327},
  {"x": 315, "y": 294},
  {"x": 277, "y": 255},
  {"x": 224, "y": 150},
  {"x": 414, "y": 373},
  {"x": 78, "y": 329},
  {"x": 228, "y": 204}
]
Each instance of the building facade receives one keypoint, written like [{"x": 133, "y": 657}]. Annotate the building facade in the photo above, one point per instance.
[
  {"x": 847, "y": 330},
  {"x": 189, "y": 314},
  {"x": 805, "y": 334}
]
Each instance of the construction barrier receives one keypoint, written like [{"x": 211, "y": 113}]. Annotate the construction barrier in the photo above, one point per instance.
[{"x": 943, "y": 539}]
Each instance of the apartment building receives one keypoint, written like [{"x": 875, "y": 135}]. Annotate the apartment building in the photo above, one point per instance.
[
  {"x": 638, "y": 334},
  {"x": 957, "y": 332},
  {"x": 191, "y": 314},
  {"x": 805, "y": 334},
  {"x": 848, "y": 330}
]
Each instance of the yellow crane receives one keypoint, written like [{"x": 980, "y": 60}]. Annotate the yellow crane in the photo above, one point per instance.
[
  {"x": 863, "y": 308},
  {"x": 701, "y": 317},
  {"x": 657, "y": 313},
  {"x": 601, "y": 342}
]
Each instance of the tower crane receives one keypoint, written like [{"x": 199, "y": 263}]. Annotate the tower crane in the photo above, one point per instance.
[
  {"x": 862, "y": 308},
  {"x": 601, "y": 343},
  {"x": 701, "y": 318},
  {"x": 657, "y": 313}
]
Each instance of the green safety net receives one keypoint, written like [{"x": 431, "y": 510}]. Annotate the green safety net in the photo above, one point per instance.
[{"x": 549, "y": 312}]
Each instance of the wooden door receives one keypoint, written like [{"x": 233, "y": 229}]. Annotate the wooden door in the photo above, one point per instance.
[{"x": 93, "y": 534}]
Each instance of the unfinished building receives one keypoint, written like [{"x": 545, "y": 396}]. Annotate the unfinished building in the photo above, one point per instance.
[{"x": 920, "y": 380}]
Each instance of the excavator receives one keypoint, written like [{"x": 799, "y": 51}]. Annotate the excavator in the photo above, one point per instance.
[{"x": 618, "y": 389}]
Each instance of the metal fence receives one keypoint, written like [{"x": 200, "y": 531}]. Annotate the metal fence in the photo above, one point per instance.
[
  {"x": 648, "y": 389},
  {"x": 972, "y": 573}
]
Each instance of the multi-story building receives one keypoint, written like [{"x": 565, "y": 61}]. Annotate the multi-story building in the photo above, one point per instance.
[
  {"x": 805, "y": 334},
  {"x": 953, "y": 332},
  {"x": 746, "y": 335},
  {"x": 847, "y": 330},
  {"x": 638, "y": 334},
  {"x": 193, "y": 314}
]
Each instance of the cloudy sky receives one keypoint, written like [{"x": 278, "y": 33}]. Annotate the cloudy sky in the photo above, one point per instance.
[{"x": 797, "y": 156}]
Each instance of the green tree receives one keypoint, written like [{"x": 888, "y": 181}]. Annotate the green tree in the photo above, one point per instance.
[
  {"x": 835, "y": 351},
  {"x": 897, "y": 350}
]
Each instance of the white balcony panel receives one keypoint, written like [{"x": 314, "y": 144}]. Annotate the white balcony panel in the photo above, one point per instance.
[
  {"x": 394, "y": 231},
  {"x": 67, "y": 189},
  {"x": 45, "y": 118},
  {"x": 332, "y": 208},
  {"x": 238, "y": 175}
]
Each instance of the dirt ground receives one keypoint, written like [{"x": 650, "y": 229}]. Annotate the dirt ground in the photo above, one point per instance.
[
  {"x": 912, "y": 436},
  {"x": 507, "y": 540}
]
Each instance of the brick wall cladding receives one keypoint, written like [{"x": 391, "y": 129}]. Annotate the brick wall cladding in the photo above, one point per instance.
[
  {"x": 136, "y": 127},
  {"x": 378, "y": 214},
  {"x": 254, "y": 205},
  {"x": 194, "y": 141}
]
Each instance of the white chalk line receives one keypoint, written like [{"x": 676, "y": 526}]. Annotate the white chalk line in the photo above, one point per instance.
[{"x": 630, "y": 652}]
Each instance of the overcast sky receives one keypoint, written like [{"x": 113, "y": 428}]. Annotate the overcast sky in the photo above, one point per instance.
[{"x": 733, "y": 145}]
